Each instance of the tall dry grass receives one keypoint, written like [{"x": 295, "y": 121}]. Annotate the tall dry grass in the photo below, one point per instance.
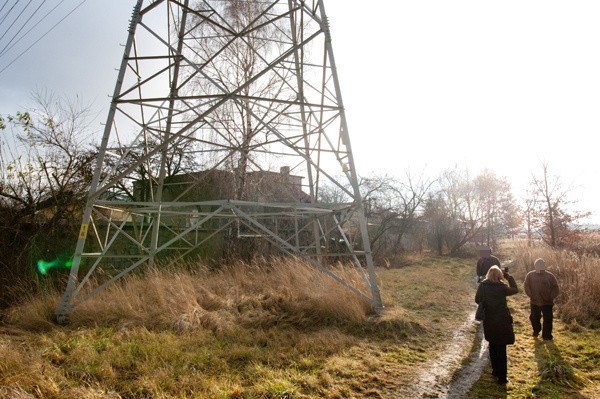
[
  {"x": 578, "y": 275},
  {"x": 588, "y": 244},
  {"x": 266, "y": 293}
]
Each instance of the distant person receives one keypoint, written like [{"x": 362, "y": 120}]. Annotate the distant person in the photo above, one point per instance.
[
  {"x": 485, "y": 261},
  {"x": 498, "y": 322},
  {"x": 542, "y": 289}
]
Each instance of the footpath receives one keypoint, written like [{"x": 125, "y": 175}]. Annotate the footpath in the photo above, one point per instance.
[{"x": 567, "y": 367}]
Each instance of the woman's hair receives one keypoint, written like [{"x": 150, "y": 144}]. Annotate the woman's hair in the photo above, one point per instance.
[{"x": 494, "y": 274}]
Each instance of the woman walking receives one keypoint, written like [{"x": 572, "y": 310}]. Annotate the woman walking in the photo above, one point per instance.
[{"x": 498, "y": 323}]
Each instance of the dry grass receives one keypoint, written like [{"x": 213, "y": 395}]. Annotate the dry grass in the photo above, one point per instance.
[
  {"x": 589, "y": 244},
  {"x": 282, "y": 292},
  {"x": 268, "y": 331},
  {"x": 277, "y": 330}
]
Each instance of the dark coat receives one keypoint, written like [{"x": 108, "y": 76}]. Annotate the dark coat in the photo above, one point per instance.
[
  {"x": 498, "y": 323},
  {"x": 484, "y": 264}
]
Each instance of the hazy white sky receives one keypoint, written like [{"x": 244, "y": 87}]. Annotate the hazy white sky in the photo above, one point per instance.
[{"x": 426, "y": 84}]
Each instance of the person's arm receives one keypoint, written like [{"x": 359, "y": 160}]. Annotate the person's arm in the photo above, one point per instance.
[
  {"x": 512, "y": 288},
  {"x": 527, "y": 285},
  {"x": 478, "y": 297},
  {"x": 478, "y": 270}
]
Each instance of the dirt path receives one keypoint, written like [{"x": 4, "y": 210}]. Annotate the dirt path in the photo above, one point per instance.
[
  {"x": 452, "y": 373},
  {"x": 446, "y": 376},
  {"x": 470, "y": 372}
]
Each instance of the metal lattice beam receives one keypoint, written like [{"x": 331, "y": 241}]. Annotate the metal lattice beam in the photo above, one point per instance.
[{"x": 226, "y": 117}]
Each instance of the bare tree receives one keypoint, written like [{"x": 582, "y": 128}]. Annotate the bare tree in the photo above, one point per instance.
[
  {"x": 394, "y": 206},
  {"x": 138, "y": 187},
  {"x": 440, "y": 225},
  {"x": 473, "y": 210},
  {"x": 465, "y": 210},
  {"x": 45, "y": 156},
  {"x": 501, "y": 214},
  {"x": 556, "y": 225},
  {"x": 238, "y": 61},
  {"x": 46, "y": 168},
  {"x": 529, "y": 217},
  {"x": 333, "y": 194}
]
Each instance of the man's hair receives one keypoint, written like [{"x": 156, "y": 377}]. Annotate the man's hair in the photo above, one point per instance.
[{"x": 539, "y": 263}]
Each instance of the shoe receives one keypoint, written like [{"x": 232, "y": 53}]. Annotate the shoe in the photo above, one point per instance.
[
  {"x": 547, "y": 339},
  {"x": 535, "y": 334},
  {"x": 502, "y": 381},
  {"x": 494, "y": 374}
]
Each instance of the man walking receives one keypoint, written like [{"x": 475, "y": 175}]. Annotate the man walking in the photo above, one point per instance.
[
  {"x": 485, "y": 261},
  {"x": 541, "y": 287}
]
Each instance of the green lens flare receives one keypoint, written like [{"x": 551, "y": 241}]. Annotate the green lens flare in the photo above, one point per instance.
[{"x": 44, "y": 266}]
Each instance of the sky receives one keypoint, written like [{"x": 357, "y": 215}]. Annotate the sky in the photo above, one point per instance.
[{"x": 427, "y": 85}]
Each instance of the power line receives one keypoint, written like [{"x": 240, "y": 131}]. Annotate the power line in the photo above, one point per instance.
[
  {"x": 44, "y": 35},
  {"x": 9, "y": 45},
  {"x": 9, "y": 11},
  {"x": 15, "y": 20},
  {"x": 3, "y": 5}
]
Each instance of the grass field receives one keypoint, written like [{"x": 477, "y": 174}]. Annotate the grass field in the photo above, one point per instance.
[{"x": 239, "y": 335}]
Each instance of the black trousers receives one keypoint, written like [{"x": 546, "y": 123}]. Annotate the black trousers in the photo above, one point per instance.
[
  {"x": 535, "y": 316},
  {"x": 498, "y": 359}
]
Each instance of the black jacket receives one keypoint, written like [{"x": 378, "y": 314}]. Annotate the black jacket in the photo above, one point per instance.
[
  {"x": 484, "y": 264},
  {"x": 498, "y": 323}
]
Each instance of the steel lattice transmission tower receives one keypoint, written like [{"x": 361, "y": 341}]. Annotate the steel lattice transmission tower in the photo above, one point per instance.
[{"x": 226, "y": 124}]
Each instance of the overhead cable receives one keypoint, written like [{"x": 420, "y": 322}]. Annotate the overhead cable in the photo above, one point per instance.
[
  {"x": 22, "y": 27},
  {"x": 3, "y": 5},
  {"x": 15, "y": 20},
  {"x": 44, "y": 35},
  {"x": 8, "y": 45},
  {"x": 8, "y": 12}
]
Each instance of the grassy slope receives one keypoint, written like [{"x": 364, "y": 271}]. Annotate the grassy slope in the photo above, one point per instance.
[{"x": 425, "y": 301}]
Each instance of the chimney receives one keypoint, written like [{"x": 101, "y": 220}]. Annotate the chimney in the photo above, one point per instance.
[{"x": 284, "y": 170}]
